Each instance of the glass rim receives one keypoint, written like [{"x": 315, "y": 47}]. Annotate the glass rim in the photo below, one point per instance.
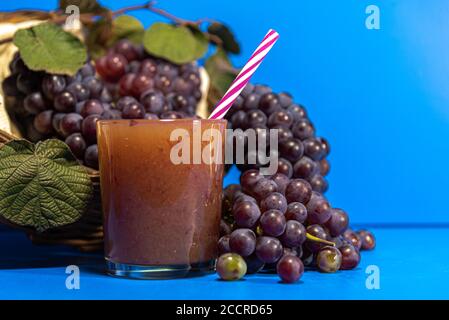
[{"x": 159, "y": 121}]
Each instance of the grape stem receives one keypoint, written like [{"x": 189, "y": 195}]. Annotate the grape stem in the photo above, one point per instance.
[
  {"x": 59, "y": 17},
  {"x": 316, "y": 239}
]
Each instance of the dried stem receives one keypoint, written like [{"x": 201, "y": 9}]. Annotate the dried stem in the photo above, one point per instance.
[{"x": 59, "y": 17}]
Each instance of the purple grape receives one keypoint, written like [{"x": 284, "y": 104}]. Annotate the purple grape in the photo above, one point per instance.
[
  {"x": 89, "y": 128},
  {"x": 91, "y": 156},
  {"x": 79, "y": 91},
  {"x": 324, "y": 167},
  {"x": 274, "y": 200},
  {"x": 319, "y": 183},
  {"x": 305, "y": 168},
  {"x": 298, "y": 112},
  {"x": 141, "y": 83},
  {"x": 255, "y": 118},
  {"x": 338, "y": 222},
  {"x": 353, "y": 238},
  {"x": 70, "y": 123},
  {"x": 272, "y": 223},
  {"x": 269, "y": 103},
  {"x": 281, "y": 181},
  {"x": 91, "y": 107},
  {"x": 242, "y": 242},
  {"x": 318, "y": 209},
  {"x": 148, "y": 66},
  {"x": 223, "y": 245},
  {"x": 65, "y": 102},
  {"x": 285, "y": 167},
  {"x": 350, "y": 257},
  {"x": 313, "y": 148},
  {"x": 153, "y": 102},
  {"x": 34, "y": 103},
  {"x": 285, "y": 99},
  {"x": 291, "y": 149},
  {"x": 246, "y": 214},
  {"x": 56, "y": 122},
  {"x": 268, "y": 249},
  {"x": 124, "y": 101},
  {"x": 294, "y": 235},
  {"x": 52, "y": 85},
  {"x": 290, "y": 269},
  {"x": 248, "y": 179},
  {"x": 94, "y": 85},
  {"x": 296, "y": 211},
  {"x": 263, "y": 188},
  {"x": 298, "y": 190},
  {"x": 76, "y": 144},
  {"x": 280, "y": 118},
  {"x": 251, "y": 102},
  {"x": 43, "y": 122},
  {"x": 303, "y": 129},
  {"x": 368, "y": 239},
  {"x": 127, "y": 49}
]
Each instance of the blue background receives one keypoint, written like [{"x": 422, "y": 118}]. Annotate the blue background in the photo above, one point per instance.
[{"x": 380, "y": 96}]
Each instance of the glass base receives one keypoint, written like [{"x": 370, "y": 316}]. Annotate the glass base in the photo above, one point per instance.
[{"x": 133, "y": 271}]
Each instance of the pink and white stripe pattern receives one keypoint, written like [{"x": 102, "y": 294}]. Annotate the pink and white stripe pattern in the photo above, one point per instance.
[{"x": 245, "y": 74}]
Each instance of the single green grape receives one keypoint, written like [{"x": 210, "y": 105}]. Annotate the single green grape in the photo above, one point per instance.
[
  {"x": 329, "y": 259},
  {"x": 231, "y": 266}
]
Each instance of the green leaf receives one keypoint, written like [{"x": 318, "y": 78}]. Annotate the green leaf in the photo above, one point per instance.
[
  {"x": 177, "y": 44},
  {"x": 42, "y": 186},
  {"x": 47, "y": 47},
  {"x": 202, "y": 43},
  {"x": 85, "y": 6},
  {"x": 220, "y": 71},
  {"x": 227, "y": 37},
  {"x": 128, "y": 27}
]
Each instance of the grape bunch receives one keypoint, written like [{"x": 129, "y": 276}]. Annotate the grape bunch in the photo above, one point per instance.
[
  {"x": 281, "y": 224},
  {"x": 302, "y": 153},
  {"x": 68, "y": 107},
  {"x": 284, "y": 222},
  {"x": 161, "y": 87}
]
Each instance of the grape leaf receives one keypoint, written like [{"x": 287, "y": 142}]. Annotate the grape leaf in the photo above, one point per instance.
[
  {"x": 42, "y": 186},
  {"x": 47, "y": 47},
  {"x": 226, "y": 36},
  {"x": 128, "y": 27},
  {"x": 220, "y": 71},
  {"x": 177, "y": 44},
  {"x": 85, "y": 6},
  {"x": 202, "y": 43}
]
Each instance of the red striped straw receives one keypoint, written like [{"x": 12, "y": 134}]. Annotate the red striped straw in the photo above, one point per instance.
[{"x": 245, "y": 74}]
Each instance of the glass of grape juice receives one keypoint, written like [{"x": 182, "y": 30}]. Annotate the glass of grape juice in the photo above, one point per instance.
[{"x": 161, "y": 199}]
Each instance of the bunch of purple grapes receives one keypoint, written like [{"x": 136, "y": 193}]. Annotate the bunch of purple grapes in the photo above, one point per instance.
[
  {"x": 277, "y": 223},
  {"x": 65, "y": 107},
  {"x": 68, "y": 107},
  {"x": 284, "y": 222},
  {"x": 161, "y": 88},
  {"x": 302, "y": 153}
]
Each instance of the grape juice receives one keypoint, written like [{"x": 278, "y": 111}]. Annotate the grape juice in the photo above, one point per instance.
[{"x": 161, "y": 219}]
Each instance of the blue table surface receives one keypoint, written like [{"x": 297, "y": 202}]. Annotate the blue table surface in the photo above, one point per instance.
[{"x": 413, "y": 264}]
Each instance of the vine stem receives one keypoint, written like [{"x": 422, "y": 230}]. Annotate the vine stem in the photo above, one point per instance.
[
  {"x": 59, "y": 17},
  {"x": 319, "y": 240}
]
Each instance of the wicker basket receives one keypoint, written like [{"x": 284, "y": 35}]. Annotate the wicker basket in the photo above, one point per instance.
[{"x": 87, "y": 233}]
